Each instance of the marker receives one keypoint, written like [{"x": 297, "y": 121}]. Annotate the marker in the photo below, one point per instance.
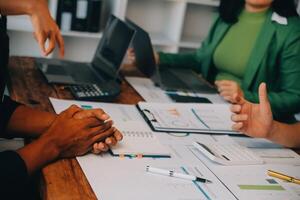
[{"x": 176, "y": 174}]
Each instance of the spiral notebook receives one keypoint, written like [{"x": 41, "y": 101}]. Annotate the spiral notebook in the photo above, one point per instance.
[{"x": 139, "y": 141}]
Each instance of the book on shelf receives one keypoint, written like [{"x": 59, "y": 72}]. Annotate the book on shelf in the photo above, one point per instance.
[
  {"x": 65, "y": 10},
  {"x": 94, "y": 16},
  {"x": 79, "y": 15},
  {"x": 79, "y": 19}
]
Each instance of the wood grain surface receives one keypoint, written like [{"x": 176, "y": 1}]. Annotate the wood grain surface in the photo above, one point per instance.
[{"x": 62, "y": 179}]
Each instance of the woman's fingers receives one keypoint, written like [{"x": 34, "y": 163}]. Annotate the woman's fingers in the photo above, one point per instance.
[
  {"x": 224, "y": 83},
  {"x": 228, "y": 98},
  {"x": 226, "y": 93},
  {"x": 225, "y": 88},
  {"x": 51, "y": 43},
  {"x": 61, "y": 44},
  {"x": 235, "y": 108},
  {"x": 41, "y": 39},
  {"x": 238, "y": 126},
  {"x": 239, "y": 118}
]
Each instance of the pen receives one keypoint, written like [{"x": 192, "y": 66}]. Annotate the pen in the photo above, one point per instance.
[
  {"x": 176, "y": 174},
  {"x": 283, "y": 177}
]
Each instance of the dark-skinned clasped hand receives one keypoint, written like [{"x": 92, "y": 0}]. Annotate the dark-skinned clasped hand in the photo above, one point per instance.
[
  {"x": 71, "y": 136},
  {"x": 105, "y": 122}
]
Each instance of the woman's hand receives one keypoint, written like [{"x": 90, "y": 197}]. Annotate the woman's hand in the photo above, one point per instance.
[
  {"x": 228, "y": 89},
  {"x": 255, "y": 120},
  {"x": 103, "y": 118},
  {"x": 46, "y": 30},
  {"x": 132, "y": 58}
]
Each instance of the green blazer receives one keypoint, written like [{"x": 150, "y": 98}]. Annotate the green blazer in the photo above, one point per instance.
[{"x": 274, "y": 60}]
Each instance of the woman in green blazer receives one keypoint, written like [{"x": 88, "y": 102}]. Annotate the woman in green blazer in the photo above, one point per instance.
[{"x": 251, "y": 41}]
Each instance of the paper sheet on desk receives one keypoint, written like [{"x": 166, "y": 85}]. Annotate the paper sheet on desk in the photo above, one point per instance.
[
  {"x": 115, "y": 179},
  {"x": 146, "y": 88},
  {"x": 270, "y": 152},
  {"x": 107, "y": 174},
  {"x": 245, "y": 182},
  {"x": 252, "y": 182},
  {"x": 118, "y": 112}
]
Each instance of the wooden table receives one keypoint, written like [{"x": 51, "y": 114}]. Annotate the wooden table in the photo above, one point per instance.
[{"x": 63, "y": 179}]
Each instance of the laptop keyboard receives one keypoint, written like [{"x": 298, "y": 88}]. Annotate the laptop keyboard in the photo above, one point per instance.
[
  {"x": 171, "y": 81},
  {"x": 56, "y": 70},
  {"x": 177, "y": 79},
  {"x": 84, "y": 74}
]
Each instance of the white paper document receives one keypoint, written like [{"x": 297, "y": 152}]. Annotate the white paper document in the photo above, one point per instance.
[
  {"x": 116, "y": 178},
  {"x": 147, "y": 89},
  {"x": 278, "y": 156},
  {"x": 151, "y": 93},
  {"x": 182, "y": 117},
  {"x": 252, "y": 182},
  {"x": 120, "y": 113},
  {"x": 270, "y": 152}
]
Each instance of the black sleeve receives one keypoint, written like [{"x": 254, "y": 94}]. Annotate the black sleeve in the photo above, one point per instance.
[
  {"x": 7, "y": 108},
  {"x": 14, "y": 178}
]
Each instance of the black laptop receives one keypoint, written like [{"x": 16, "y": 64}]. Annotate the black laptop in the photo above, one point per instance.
[
  {"x": 178, "y": 79},
  {"x": 109, "y": 55}
]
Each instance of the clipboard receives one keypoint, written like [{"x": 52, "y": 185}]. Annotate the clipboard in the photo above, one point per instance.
[{"x": 155, "y": 124}]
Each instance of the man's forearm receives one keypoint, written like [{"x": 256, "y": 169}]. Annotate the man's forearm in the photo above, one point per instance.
[
  {"x": 286, "y": 134},
  {"x": 17, "y": 7},
  {"x": 29, "y": 122},
  {"x": 38, "y": 153}
]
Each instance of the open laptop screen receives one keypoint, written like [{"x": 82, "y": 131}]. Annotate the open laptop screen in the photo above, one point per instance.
[
  {"x": 112, "y": 48},
  {"x": 143, "y": 50}
]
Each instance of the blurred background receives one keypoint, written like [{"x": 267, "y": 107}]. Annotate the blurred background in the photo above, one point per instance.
[{"x": 174, "y": 25}]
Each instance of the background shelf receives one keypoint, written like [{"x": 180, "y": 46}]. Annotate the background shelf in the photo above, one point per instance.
[
  {"x": 173, "y": 25},
  {"x": 197, "y": 22}
]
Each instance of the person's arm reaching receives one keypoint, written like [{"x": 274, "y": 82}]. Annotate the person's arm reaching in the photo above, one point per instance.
[
  {"x": 256, "y": 120},
  {"x": 44, "y": 26}
]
